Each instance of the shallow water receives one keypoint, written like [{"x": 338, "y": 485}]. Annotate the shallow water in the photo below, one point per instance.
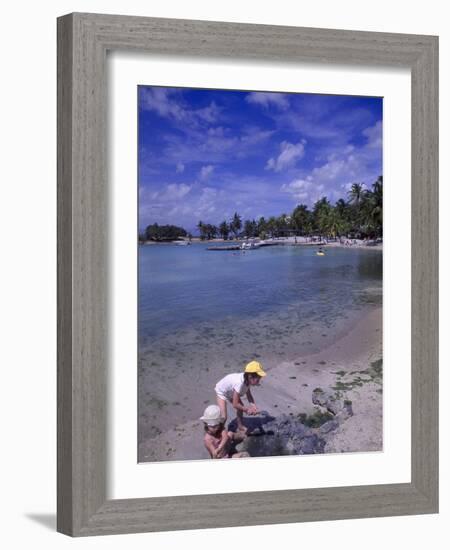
[{"x": 181, "y": 288}]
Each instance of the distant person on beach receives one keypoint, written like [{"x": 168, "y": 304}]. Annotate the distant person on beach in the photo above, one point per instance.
[
  {"x": 218, "y": 441},
  {"x": 234, "y": 386}
]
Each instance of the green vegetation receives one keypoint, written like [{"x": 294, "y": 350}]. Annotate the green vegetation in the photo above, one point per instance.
[
  {"x": 340, "y": 373},
  {"x": 375, "y": 371},
  {"x": 347, "y": 386},
  {"x": 359, "y": 215},
  {"x": 224, "y": 230},
  {"x": 157, "y": 232},
  {"x": 207, "y": 231},
  {"x": 316, "y": 419},
  {"x": 372, "y": 374},
  {"x": 236, "y": 224}
]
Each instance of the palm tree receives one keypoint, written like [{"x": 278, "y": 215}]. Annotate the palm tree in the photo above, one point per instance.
[
  {"x": 283, "y": 223},
  {"x": 341, "y": 207},
  {"x": 362, "y": 213},
  {"x": 224, "y": 230},
  {"x": 334, "y": 224},
  {"x": 272, "y": 226},
  {"x": 358, "y": 199},
  {"x": 324, "y": 221},
  {"x": 301, "y": 218},
  {"x": 211, "y": 231},
  {"x": 374, "y": 209},
  {"x": 343, "y": 213},
  {"x": 236, "y": 224},
  {"x": 356, "y": 193},
  {"x": 201, "y": 228},
  {"x": 378, "y": 187},
  {"x": 250, "y": 228},
  {"x": 262, "y": 227},
  {"x": 320, "y": 213}
]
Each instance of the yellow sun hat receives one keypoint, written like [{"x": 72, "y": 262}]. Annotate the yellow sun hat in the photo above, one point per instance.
[{"x": 255, "y": 367}]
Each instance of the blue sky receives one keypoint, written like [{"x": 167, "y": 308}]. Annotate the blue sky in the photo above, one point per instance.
[{"x": 205, "y": 154}]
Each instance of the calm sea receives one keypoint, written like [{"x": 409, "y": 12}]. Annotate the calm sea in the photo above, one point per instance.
[{"x": 188, "y": 287}]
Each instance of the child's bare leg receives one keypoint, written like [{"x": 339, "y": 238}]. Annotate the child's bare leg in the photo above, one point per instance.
[
  {"x": 237, "y": 437},
  {"x": 223, "y": 408}
]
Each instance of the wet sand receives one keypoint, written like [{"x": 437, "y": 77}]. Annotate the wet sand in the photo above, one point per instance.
[{"x": 346, "y": 358}]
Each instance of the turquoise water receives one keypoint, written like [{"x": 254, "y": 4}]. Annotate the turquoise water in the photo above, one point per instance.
[{"x": 182, "y": 287}]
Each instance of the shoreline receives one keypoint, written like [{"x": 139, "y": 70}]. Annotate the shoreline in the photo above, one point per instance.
[
  {"x": 342, "y": 367},
  {"x": 281, "y": 241}
]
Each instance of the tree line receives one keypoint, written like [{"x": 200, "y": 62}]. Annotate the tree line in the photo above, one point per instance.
[
  {"x": 359, "y": 215},
  {"x": 162, "y": 233}
]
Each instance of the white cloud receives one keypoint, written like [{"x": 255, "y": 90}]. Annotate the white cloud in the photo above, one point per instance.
[
  {"x": 331, "y": 171},
  {"x": 346, "y": 187},
  {"x": 198, "y": 147},
  {"x": 216, "y": 144},
  {"x": 217, "y": 131},
  {"x": 344, "y": 166},
  {"x": 208, "y": 114},
  {"x": 267, "y": 99},
  {"x": 374, "y": 135},
  {"x": 168, "y": 103},
  {"x": 161, "y": 101},
  {"x": 252, "y": 136},
  {"x": 304, "y": 190},
  {"x": 206, "y": 171},
  {"x": 288, "y": 157},
  {"x": 180, "y": 168},
  {"x": 206, "y": 204},
  {"x": 171, "y": 192},
  {"x": 177, "y": 190}
]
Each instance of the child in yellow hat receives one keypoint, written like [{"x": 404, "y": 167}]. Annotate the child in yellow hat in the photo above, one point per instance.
[{"x": 233, "y": 387}]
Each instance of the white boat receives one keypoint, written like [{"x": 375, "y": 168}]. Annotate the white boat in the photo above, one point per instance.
[
  {"x": 249, "y": 246},
  {"x": 181, "y": 243}
]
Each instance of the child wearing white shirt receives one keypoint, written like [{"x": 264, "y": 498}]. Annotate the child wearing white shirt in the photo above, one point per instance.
[{"x": 234, "y": 386}]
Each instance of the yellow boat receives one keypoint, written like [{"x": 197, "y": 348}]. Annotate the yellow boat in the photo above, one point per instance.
[{"x": 320, "y": 253}]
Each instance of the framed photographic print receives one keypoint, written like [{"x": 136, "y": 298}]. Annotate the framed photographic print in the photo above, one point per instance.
[{"x": 247, "y": 270}]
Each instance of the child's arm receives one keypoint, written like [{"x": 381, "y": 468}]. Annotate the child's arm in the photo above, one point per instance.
[
  {"x": 237, "y": 402},
  {"x": 221, "y": 449},
  {"x": 216, "y": 452},
  {"x": 252, "y": 409},
  {"x": 209, "y": 447}
]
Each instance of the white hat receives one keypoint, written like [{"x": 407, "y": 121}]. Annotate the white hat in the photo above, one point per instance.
[{"x": 211, "y": 416}]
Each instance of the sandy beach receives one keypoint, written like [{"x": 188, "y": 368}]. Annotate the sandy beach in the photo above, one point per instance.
[{"x": 349, "y": 366}]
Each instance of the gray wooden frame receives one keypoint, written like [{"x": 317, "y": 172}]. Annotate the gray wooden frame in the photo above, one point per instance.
[{"x": 83, "y": 40}]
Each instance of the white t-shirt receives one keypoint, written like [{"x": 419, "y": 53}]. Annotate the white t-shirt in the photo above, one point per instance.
[{"x": 231, "y": 382}]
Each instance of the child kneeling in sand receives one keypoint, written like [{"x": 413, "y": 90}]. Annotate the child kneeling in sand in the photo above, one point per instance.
[
  {"x": 218, "y": 441},
  {"x": 234, "y": 386}
]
